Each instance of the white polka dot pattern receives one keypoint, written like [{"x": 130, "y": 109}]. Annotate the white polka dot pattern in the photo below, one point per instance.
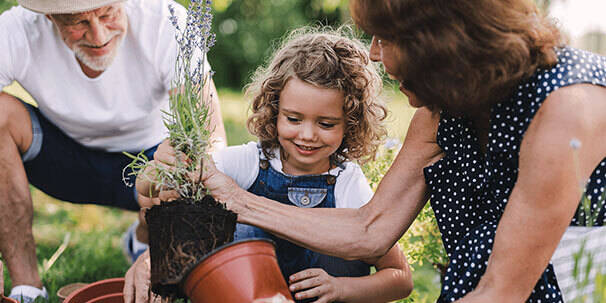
[{"x": 469, "y": 190}]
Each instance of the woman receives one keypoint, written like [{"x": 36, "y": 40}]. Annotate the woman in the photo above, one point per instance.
[{"x": 499, "y": 103}]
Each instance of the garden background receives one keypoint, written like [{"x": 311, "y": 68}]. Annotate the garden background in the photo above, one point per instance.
[{"x": 82, "y": 243}]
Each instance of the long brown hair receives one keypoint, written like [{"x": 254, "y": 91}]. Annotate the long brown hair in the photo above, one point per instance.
[{"x": 461, "y": 56}]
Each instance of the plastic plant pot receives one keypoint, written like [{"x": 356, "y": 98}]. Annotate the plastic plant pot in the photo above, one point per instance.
[
  {"x": 68, "y": 289},
  {"x": 104, "y": 291},
  {"x": 242, "y": 271}
]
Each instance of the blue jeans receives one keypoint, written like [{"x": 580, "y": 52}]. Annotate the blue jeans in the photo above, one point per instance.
[{"x": 65, "y": 169}]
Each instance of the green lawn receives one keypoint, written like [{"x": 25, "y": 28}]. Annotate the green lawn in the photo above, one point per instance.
[{"x": 93, "y": 233}]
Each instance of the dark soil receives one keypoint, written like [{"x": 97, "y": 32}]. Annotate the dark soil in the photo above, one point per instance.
[{"x": 181, "y": 233}]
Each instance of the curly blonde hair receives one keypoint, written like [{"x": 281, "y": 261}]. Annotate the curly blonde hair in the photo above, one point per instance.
[{"x": 325, "y": 58}]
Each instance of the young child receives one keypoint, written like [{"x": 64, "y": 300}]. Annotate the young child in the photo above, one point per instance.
[{"x": 315, "y": 109}]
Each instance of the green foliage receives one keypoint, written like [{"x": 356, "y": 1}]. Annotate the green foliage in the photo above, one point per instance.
[
  {"x": 587, "y": 215},
  {"x": 422, "y": 243},
  {"x": 599, "y": 294},
  {"x": 93, "y": 251},
  {"x": 188, "y": 119},
  {"x": 6, "y": 4},
  {"x": 582, "y": 272},
  {"x": 246, "y": 30},
  {"x": 584, "y": 266}
]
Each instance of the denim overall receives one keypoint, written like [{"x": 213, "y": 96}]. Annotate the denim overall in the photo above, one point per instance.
[{"x": 303, "y": 191}]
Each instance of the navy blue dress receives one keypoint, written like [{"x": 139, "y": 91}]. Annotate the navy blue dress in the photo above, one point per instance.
[{"x": 469, "y": 190}]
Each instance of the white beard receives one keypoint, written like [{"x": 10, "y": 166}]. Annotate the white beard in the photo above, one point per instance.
[{"x": 99, "y": 63}]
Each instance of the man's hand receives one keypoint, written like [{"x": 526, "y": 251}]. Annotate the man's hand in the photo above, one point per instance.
[
  {"x": 137, "y": 282},
  {"x": 149, "y": 193},
  {"x": 315, "y": 282}
]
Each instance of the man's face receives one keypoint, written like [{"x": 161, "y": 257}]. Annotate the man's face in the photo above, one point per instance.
[{"x": 94, "y": 36}]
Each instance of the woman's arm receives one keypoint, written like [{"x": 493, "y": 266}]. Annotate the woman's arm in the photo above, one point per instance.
[
  {"x": 348, "y": 233},
  {"x": 547, "y": 192},
  {"x": 392, "y": 281}
]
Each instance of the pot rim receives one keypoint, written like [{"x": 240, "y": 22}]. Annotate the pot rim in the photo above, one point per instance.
[
  {"x": 93, "y": 285},
  {"x": 216, "y": 250}
]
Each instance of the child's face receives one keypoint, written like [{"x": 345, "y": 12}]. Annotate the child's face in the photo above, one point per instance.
[{"x": 311, "y": 126}]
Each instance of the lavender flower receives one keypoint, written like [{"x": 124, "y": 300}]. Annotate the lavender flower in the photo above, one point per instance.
[{"x": 188, "y": 120}]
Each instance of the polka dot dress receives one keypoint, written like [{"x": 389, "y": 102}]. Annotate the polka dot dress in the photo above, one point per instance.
[{"x": 469, "y": 190}]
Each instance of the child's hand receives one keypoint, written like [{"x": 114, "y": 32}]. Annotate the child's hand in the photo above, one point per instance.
[
  {"x": 166, "y": 155},
  {"x": 315, "y": 282},
  {"x": 148, "y": 193}
]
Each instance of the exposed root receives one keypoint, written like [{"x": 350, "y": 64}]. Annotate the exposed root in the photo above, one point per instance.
[{"x": 181, "y": 234}]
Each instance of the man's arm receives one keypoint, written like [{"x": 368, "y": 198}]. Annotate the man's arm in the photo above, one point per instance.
[{"x": 547, "y": 192}]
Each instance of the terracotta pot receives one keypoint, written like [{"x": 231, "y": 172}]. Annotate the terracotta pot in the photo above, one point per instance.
[
  {"x": 238, "y": 272},
  {"x": 68, "y": 289},
  {"x": 4, "y": 299},
  {"x": 104, "y": 291}
]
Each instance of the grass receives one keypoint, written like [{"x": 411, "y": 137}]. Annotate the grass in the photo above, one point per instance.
[{"x": 94, "y": 248}]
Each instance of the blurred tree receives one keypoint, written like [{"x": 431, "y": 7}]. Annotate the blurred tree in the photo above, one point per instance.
[
  {"x": 6, "y": 4},
  {"x": 248, "y": 29}
]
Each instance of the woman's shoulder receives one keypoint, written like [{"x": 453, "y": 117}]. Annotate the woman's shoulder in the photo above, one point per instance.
[
  {"x": 573, "y": 66},
  {"x": 511, "y": 119},
  {"x": 580, "y": 108}
]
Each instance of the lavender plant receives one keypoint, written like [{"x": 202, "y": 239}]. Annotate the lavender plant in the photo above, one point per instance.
[
  {"x": 188, "y": 118},
  {"x": 588, "y": 267}
]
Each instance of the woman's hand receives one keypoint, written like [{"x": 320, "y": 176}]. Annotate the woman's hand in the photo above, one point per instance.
[
  {"x": 222, "y": 187},
  {"x": 315, "y": 282}
]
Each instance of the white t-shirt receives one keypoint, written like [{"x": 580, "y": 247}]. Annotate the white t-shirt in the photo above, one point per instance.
[
  {"x": 241, "y": 163},
  {"x": 118, "y": 111}
]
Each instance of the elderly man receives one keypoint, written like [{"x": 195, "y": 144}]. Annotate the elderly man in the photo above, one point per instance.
[{"x": 101, "y": 72}]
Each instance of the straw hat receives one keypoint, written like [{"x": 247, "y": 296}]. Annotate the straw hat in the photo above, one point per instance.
[{"x": 64, "y": 6}]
